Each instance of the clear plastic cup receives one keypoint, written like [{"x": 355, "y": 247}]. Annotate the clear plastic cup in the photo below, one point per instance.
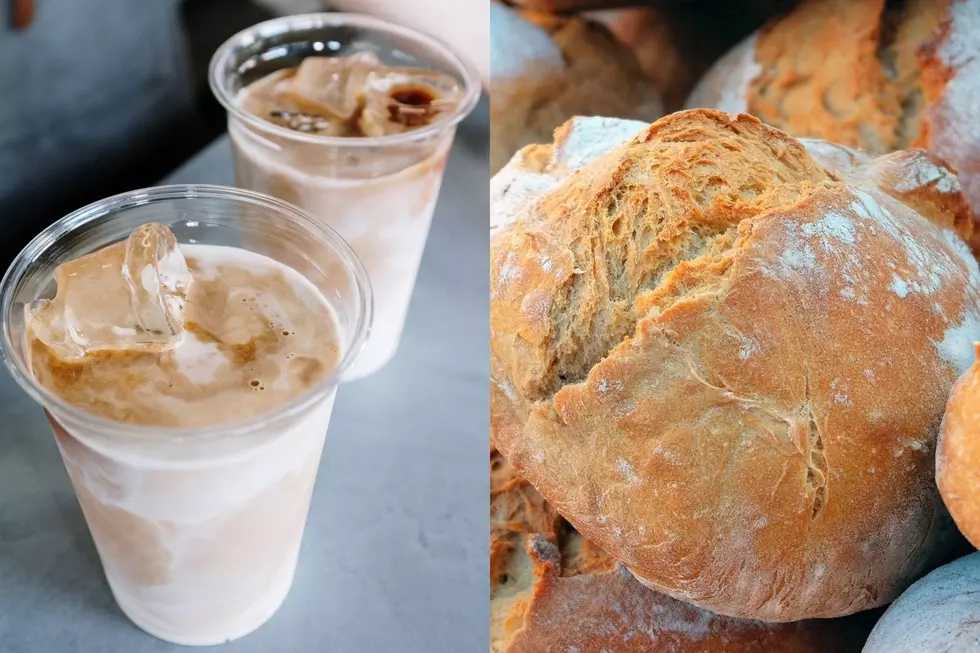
[
  {"x": 379, "y": 193},
  {"x": 198, "y": 529}
]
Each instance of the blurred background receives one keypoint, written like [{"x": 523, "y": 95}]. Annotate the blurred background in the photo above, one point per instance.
[{"x": 102, "y": 96}]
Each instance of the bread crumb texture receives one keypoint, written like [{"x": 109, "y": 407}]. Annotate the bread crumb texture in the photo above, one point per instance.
[
  {"x": 723, "y": 355},
  {"x": 552, "y": 591},
  {"x": 938, "y": 614},
  {"x": 873, "y": 74}
]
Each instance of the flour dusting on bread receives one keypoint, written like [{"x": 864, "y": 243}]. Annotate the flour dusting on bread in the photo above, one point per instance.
[
  {"x": 584, "y": 139},
  {"x": 705, "y": 234},
  {"x": 519, "y": 48},
  {"x": 577, "y": 143},
  {"x": 938, "y": 614}
]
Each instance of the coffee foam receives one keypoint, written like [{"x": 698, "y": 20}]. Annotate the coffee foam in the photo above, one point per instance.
[{"x": 256, "y": 334}]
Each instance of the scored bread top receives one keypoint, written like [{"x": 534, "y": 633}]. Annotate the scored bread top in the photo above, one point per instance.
[
  {"x": 872, "y": 74},
  {"x": 536, "y": 169},
  {"x": 725, "y": 362}
]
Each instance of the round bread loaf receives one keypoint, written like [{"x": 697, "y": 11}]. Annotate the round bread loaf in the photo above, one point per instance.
[
  {"x": 545, "y": 69},
  {"x": 658, "y": 44},
  {"x": 958, "y": 455},
  {"x": 676, "y": 43},
  {"x": 552, "y": 591},
  {"x": 938, "y": 614},
  {"x": 724, "y": 356},
  {"x": 872, "y": 74}
]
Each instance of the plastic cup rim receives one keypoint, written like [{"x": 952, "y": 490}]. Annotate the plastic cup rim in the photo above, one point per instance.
[
  {"x": 133, "y": 433},
  {"x": 471, "y": 92}
]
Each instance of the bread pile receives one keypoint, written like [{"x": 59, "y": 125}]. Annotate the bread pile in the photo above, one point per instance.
[
  {"x": 876, "y": 75},
  {"x": 552, "y": 591},
  {"x": 546, "y": 68},
  {"x": 676, "y": 42},
  {"x": 554, "y": 59},
  {"x": 723, "y": 356}
]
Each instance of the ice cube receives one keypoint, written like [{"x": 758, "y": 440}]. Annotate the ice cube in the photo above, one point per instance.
[
  {"x": 398, "y": 100},
  {"x": 332, "y": 86},
  {"x": 125, "y": 297}
]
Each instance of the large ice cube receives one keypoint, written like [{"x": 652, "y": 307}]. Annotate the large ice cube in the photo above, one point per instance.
[
  {"x": 125, "y": 297},
  {"x": 332, "y": 86},
  {"x": 402, "y": 99}
]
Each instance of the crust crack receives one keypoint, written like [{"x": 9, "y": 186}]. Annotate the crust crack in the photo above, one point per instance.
[{"x": 816, "y": 472}]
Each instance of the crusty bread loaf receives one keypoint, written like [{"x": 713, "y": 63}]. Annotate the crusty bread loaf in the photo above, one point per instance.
[
  {"x": 552, "y": 591},
  {"x": 676, "y": 43},
  {"x": 725, "y": 359},
  {"x": 958, "y": 455},
  {"x": 871, "y": 74},
  {"x": 938, "y": 614},
  {"x": 546, "y": 69},
  {"x": 656, "y": 42}
]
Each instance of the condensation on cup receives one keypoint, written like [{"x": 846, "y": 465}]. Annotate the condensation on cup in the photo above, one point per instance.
[{"x": 352, "y": 119}]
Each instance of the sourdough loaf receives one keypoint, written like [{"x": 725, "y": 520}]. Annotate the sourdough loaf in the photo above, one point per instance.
[
  {"x": 958, "y": 455},
  {"x": 724, "y": 356},
  {"x": 551, "y": 591},
  {"x": 938, "y": 614},
  {"x": 545, "y": 69},
  {"x": 875, "y": 74}
]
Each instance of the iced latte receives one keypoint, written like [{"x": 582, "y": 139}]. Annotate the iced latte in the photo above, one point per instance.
[
  {"x": 189, "y": 387},
  {"x": 351, "y": 119}
]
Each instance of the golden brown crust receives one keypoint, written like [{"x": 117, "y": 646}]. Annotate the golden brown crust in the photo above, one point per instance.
[
  {"x": 578, "y": 599},
  {"x": 865, "y": 73},
  {"x": 676, "y": 42},
  {"x": 600, "y": 77},
  {"x": 517, "y": 513},
  {"x": 727, "y": 366},
  {"x": 958, "y": 455},
  {"x": 828, "y": 84}
]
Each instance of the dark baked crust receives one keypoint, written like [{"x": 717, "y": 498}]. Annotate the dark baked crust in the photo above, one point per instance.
[{"x": 701, "y": 356}]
